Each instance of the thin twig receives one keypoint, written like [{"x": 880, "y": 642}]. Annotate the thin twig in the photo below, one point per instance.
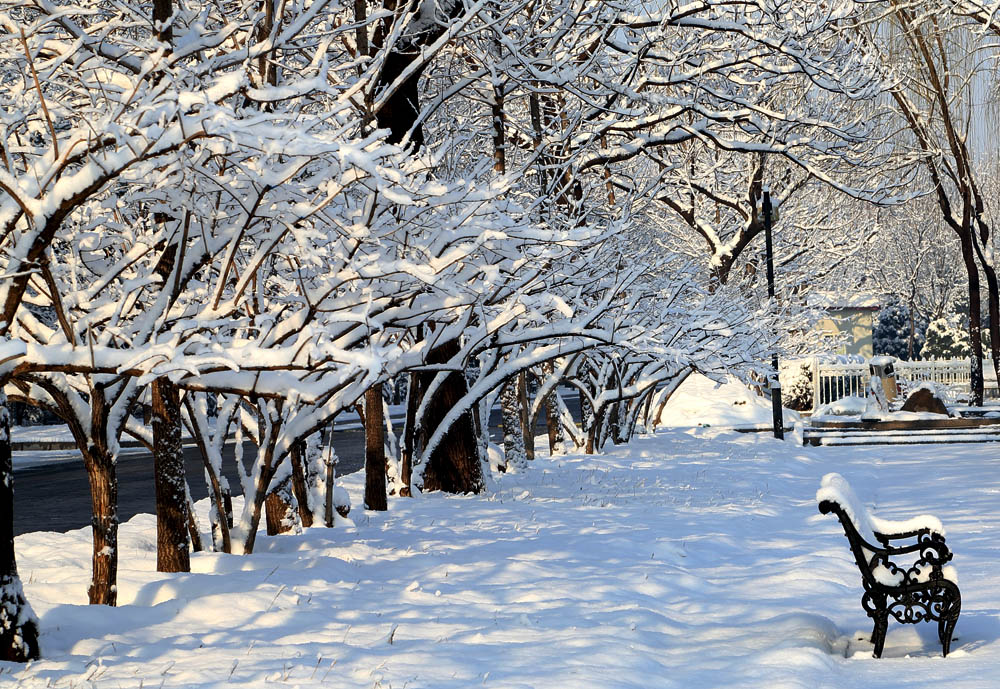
[{"x": 41, "y": 96}]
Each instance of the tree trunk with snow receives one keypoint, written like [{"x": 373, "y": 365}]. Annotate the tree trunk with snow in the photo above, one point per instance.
[
  {"x": 299, "y": 485},
  {"x": 409, "y": 434},
  {"x": 614, "y": 423},
  {"x": 552, "y": 425},
  {"x": 975, "y": 322},
  {"x": 593, "y": 442},
  {"x": 375, "y": 497},
  {"x": 524, "y": 410},
  {"x": 401, "y": 111},
  {"x": 993, "y": 301},
  {"x": 279, "y": 517},
  {"x": 672, "y": 386},
  {"x": 250, "y": 520},
  {"x": 453, "y": 465},
  {"x": 590, "y": 420},
  {"x": 193, "y": 531},
  {"x": 172, "y": 518},
  {"x": 513, "y": 432},
  {"x": 18, "y": 624},
  {"x": 103, "y": 477}
]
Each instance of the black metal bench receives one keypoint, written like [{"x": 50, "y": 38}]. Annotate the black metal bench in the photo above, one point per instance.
[{"x": 921, "y": 588}]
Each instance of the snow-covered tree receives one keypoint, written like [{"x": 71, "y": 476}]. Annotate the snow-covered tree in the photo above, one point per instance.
[
  {"x": 947, "y": 338},
  {"x": 125, "y": 247},
  {"x": 899, "y": 332},
  {"x": 932, "y": 52}
]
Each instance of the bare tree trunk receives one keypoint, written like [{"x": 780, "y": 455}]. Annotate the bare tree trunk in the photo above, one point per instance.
[
  {"x": 375, "y": 497},
  {"x": 454, "y": 465},
  {"x": 913, "y": 328},
  {"x": 993, "y": 291},
  {"x": 103, "y": 478},
  {"x": 18, "y": 624},
  {"x": 172, "y": 545}
]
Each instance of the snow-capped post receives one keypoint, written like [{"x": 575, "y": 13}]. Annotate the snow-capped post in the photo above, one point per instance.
[
  {"x": 375, "y": 497},
  {"x": 779, "y": 431},
  {"x": 815, "y": 382},
  {"x": 172, "y": 552}
]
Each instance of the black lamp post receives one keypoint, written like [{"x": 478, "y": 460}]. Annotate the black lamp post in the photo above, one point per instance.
[{"x": 776, "y": 415}]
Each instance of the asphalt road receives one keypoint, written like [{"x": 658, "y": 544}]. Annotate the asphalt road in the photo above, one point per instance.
[{"x": 56, "y": 497}]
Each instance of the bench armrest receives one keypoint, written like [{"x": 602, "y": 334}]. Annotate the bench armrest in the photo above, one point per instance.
[
  {"x": 886, "y": 529},
  {"x": 882, "y": 536},
  {"x": 887, "y": 538},
  {"x": 931, "y": 546}
]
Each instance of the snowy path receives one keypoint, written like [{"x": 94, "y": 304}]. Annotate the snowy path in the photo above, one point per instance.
[{"x": 683, "y": 561}]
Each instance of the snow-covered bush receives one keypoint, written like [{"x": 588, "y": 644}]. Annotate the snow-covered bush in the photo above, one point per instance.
[
  {"x": 797, "y": 385},
  {"x": 947, "y": 338}
]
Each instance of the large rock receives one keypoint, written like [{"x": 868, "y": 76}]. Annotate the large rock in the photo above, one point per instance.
[{"x": 925, "y": 400}]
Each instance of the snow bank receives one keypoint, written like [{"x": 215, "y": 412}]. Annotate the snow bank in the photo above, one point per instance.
[
  {"x": 700, "y": 401},
  {"x": 852, "y": 405}
]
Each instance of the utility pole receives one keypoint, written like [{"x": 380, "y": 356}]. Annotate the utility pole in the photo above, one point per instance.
[{"x": 776, "y": 415}]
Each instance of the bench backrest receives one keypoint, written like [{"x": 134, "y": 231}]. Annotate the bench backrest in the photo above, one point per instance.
[
  {"x": 839, "y": 497},
  {"x": 835, "y": 488}
]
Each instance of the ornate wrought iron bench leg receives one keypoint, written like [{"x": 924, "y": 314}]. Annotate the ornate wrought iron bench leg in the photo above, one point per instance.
[
  {"x": 878, "y": 633},
  {"x": 949, "y": 624}
]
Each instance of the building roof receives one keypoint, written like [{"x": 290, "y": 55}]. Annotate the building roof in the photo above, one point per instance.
[{"x": 867, "y": 301}]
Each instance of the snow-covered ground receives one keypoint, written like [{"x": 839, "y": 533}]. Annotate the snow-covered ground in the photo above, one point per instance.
[{"x": 695, "y": 558}]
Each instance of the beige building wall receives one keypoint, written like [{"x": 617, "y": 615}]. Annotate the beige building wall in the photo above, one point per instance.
[{"x": 857, "y": 324}]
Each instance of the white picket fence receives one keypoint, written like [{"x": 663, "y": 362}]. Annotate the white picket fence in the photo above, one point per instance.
[{"x": 834, "y": 381}]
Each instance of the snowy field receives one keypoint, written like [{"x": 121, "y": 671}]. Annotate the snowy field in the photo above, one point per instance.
[{"x": 690, "y": 559}]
